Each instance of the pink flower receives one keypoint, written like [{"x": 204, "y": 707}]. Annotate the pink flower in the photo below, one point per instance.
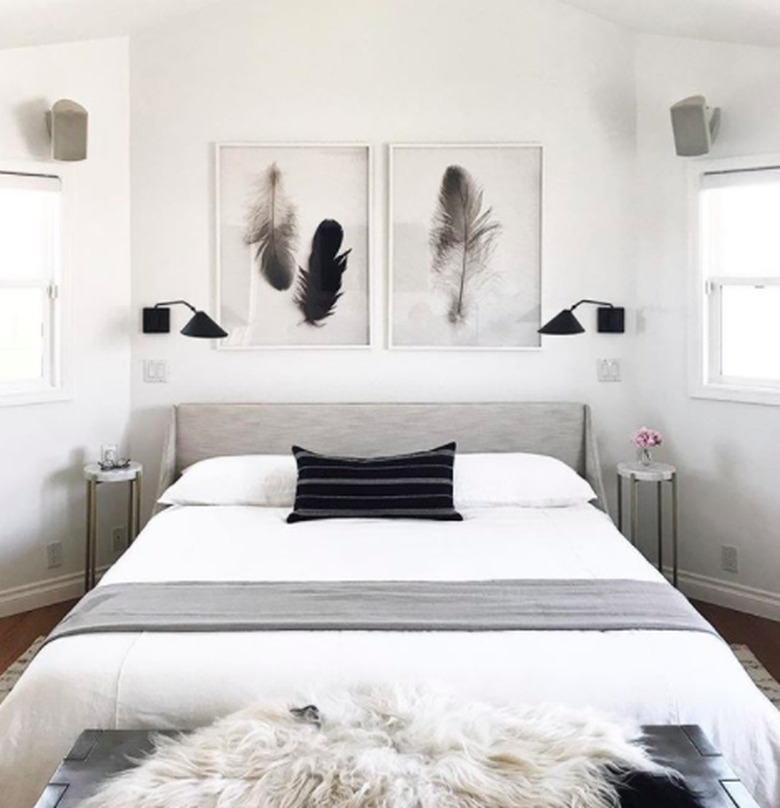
[{"x": 646, "y": 438}]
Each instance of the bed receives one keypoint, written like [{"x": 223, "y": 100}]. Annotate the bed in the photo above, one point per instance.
[{"x": 181, "y": 680}]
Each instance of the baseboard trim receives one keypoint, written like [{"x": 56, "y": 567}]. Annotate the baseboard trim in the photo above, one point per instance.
[
  {"x": 739, "y": 597},
  {"x": 742, "y": 598},
  {"x": 38, "y": 594}
]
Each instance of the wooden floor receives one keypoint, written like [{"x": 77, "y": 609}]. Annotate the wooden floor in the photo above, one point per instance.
[
  {"x": 763, "y": 636},
  {"x": 17, "y": 633}
]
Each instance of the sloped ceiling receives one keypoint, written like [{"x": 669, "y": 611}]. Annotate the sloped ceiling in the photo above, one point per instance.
[
  {"x": 39, "y": 22},
  {"x": 36, "y": 22},
  {"x": 755, "y": 22}
]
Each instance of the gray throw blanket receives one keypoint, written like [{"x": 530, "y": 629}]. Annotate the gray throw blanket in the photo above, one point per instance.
[{"x": 511, "y": 605}]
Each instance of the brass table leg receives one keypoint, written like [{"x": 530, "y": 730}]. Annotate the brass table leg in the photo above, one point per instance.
[
  {"x": 620, "y": 502},
  {"x": 91, "y": 561},
  {"x": 634, "y": 509},
  {"x": 138, "y": 488},
  {"x": 660, "y": 517},
  {"x": 134, "y": 509},
  {"x": 674, "y": 530}
]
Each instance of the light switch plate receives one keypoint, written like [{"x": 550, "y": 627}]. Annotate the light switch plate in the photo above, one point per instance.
[
  {"x": 608, "y": 370},
  {"x": 155, "y": 371}
]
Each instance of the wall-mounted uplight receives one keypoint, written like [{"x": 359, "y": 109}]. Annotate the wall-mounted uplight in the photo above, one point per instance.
[
  {"x": 611, "y": 320},
  {"x": 695, "y": 126},
  {"x": 67, "y": 123},
  {"x": 157, "y": 320}
]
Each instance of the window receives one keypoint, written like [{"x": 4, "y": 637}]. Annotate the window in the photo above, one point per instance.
[
  {"x": 30, "y": 267},
  {"x": 737, "y": 350}
]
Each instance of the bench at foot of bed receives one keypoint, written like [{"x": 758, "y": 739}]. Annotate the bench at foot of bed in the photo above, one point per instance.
[{"x": 98, "y": 754}]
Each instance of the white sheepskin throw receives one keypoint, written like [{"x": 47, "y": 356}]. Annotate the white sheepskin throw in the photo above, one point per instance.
[{"x": 386, "y": 748}]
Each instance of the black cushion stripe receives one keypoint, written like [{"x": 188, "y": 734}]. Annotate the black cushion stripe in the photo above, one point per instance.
[
  {"x": 440, "y": 515},
  {"x": 409, "y": 486},
  {"x": 442, "y": 451},
  {"x": 416, "y": 485},
  {"x": 358, "y": 497},
  {"x": 366, "y": 503},
  {"x": 435, "y": 470}
]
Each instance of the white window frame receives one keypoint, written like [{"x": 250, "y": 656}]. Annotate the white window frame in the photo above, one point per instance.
[
  {"x": 54, "y": 386},
  {"x": 705, "y": 297}
]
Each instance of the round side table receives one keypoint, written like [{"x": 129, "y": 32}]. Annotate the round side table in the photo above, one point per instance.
[
  {"x": 658, "y": 473},
  {"x": 95, "y": 476}
]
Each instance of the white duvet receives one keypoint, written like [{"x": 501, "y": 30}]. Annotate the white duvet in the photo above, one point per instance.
[{"x": 185, "y": 680}]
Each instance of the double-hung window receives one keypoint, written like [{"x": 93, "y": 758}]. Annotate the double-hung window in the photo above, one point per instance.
[
  {"x": 736, "y": 351},
  {"x": 30, "y": 280}
]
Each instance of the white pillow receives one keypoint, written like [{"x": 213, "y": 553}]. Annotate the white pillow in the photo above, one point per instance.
[
  {"x": 267, "y": 480},
  {"x": 527, "y": 480}
]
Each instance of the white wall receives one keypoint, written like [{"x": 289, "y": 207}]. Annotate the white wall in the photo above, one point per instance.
[
  {"x": 536, "y": 70},
  {"x": 44, "y": 446},
  {"x": 388, "y": 70},
  {"x": 728, "y": 453}
]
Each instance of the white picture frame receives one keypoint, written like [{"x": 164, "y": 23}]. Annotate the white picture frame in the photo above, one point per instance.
[
  {"x": 352, "y": 201},
  {"x": 500, "y": 333}
]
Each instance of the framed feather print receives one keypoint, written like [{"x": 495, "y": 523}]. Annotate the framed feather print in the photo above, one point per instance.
[
  {"x": 465, "y": 246},
  {"x": 293, "y": 245}
]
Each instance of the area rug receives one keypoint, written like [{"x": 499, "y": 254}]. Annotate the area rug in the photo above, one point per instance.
[
  {"x": 12, "y": 675},
  {"x": 758, "y": 673},
  {"x": 763, "y": 680}
]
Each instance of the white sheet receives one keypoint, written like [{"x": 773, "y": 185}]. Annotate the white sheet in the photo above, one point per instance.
[{"x": 183, "y": 680}]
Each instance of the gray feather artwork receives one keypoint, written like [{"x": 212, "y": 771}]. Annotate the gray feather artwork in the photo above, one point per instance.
[
  {"x": 272, "y": 230},
  {"x": 462, "y": 240}
]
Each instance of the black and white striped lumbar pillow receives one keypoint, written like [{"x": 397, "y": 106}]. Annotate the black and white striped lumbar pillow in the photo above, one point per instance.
[{"x": 412, "y": 486}]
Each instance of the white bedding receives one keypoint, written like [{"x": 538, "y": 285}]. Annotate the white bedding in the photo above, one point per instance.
[{"x": 184, "y": 680}]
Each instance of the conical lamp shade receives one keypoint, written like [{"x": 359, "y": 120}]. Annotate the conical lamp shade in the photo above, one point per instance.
[
  {"x": 201, "y": 325},
  {"x": 563, "y": 323}
]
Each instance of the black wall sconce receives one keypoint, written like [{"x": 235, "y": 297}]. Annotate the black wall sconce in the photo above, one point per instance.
[
  {"x": 157, "y": 320},
  {"x": 611, "y": 320}
]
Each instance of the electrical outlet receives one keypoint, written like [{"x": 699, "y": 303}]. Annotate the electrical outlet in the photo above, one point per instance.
[
  {"x": 729, "y": 559},
  {"x": 608, "y": 370},
  {"x": 118, "y": 540},
  {"x": 53, "y": 555}
]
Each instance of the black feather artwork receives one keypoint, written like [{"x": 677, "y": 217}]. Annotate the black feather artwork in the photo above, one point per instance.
[
  {"x": 319, "y": 286},
  {"x": 272, "y": 230},
  {"x": 462, "y": 239}
]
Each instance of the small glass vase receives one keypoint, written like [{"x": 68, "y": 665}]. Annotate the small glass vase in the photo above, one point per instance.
[{"x": 645, "y": 457}]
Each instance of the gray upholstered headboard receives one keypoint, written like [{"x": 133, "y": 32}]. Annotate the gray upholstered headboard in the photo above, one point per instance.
[{"x": 561, "y": 429}]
